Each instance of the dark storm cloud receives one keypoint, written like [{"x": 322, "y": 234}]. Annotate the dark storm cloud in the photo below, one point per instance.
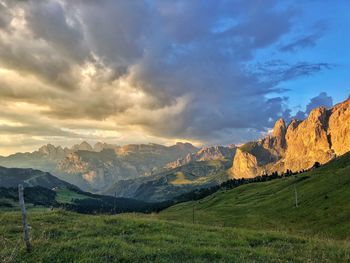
[
  {"x": 185, "y": 75},
  {"x": 49, "y": 21},
  {"x": 277, "y": 71},
  {"x": 305, "y": 41},
  {"x": 320, "y": 100}
]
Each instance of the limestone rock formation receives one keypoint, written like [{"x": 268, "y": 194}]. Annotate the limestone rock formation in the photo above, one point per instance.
[
  {"x": 84, "y": 146},
  {"x": 339, "y": 127},
  {"x": 206, "y": 154},
  {"x": 244, "y": 165},
  {"x": 322, "y": 136},
  {"x": 308, "y": 142}
]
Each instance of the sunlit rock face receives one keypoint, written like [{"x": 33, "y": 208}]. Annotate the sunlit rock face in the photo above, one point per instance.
[
  {"x": 244, "y": 165},
  {"x": 206, "y": 154},
  {"x": 322, "y": 136},
  {"x": 339, "y": 127},
  {"x": 309, "y": 142}
]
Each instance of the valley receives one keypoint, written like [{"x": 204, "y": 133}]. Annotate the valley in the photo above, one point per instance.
[{"x": 256, "y": 222}]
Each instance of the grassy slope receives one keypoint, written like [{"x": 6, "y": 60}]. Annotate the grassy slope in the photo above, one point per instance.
[
  {"x": 60, "y": 236},
  {"x": 324, "y": 207},
  {"x": 66, "y": 196}
]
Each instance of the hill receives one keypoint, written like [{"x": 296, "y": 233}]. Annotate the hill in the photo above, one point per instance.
[
  {"x": 60, "y": 236},
  {"x": 74, "y": 200},
  {"x": 11, "y": 177},
  {"x": 45, "y": 190},
  {"x": 323, "y": 204}
]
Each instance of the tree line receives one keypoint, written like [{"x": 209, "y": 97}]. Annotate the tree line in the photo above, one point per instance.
[{"x": 233, "y": 183}]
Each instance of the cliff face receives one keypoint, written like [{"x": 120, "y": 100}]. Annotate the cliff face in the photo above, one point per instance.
[
  {"x": 321, "y": 137},
  {"x": 244, "y": 165},
  {"x": 339, "y": 127},
  {"x": 309, "y": 142},
  {"x": 205, "y": 154}
]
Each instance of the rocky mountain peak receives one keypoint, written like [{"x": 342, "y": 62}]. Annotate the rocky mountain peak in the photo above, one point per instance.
[
  {"x": 84, "y": 146},
  {"x": 205, "y": 154},
  {"x": 318, "y": 115},
  {"x": 293, "y": 125},
  {"x": 324, "y": 134},
  {"x": 279, "y": 129},
  {"x": 186, "y": 146},
  {"x": 100, "y": 146},
  {"x": 51, "y": 151}
]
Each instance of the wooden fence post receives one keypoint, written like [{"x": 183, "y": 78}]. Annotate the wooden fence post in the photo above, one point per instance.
[{"x": 24, "y": 218}]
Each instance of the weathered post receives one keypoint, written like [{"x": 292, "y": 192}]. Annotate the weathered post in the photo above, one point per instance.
[
  {"x": 115, "y": 200},
  {"x": 296, "y": 196},
  {"x": 193, "y": 214},
  {"x": 24, "y": 218}
]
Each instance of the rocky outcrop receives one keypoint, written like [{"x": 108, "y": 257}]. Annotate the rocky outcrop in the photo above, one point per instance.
[
  {"x": 52, "y": 152},
  {"x": 321, "y": 137},
  {"x": 206, "y": 154},
  {"x": 308, "y": 142},
  {"x": 339, "y": 127},
  {"x": 244, "y": 165},
  {"x": 100, "y": 146},
  {"x": 84, "y": 146}
]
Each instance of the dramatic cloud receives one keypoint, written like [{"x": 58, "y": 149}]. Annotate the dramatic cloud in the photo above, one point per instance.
[
  {"x": 321, "y": 100},
  {"x": 305, "y": 41},
  {"x": 276, "y": 71},
  {"x": 144, "y": 70}
]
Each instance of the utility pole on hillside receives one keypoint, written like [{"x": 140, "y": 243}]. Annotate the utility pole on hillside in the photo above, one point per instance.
[
  {"x": 115, "y": 202},
  {"x": 296, "y": 196},
  {"x": 193, "y": 214},
  {"x": 24, "y": 218}
]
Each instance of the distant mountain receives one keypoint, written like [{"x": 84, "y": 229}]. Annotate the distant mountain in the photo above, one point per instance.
[
  {"x": 321, "y": 137},
  {"x": 204, "y": 168},
  {"x": 12, "y": 177},
  {"x": 96, "y": 168},
  {"x": 174, "y": 182},
  {"x": 206, "y": 154}
]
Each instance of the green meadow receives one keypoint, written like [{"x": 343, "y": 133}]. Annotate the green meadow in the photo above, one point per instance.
[
  {"x": 256, "y": 222},
  {"x": 61, "y": 236}
]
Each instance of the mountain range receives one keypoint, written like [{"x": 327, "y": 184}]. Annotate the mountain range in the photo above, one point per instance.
[
  {"x": 153, "y": 172},
  {"x": 95, "y": 168}
]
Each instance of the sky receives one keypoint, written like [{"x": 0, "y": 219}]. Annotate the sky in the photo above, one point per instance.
[{"x": 131, "y": 71}]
